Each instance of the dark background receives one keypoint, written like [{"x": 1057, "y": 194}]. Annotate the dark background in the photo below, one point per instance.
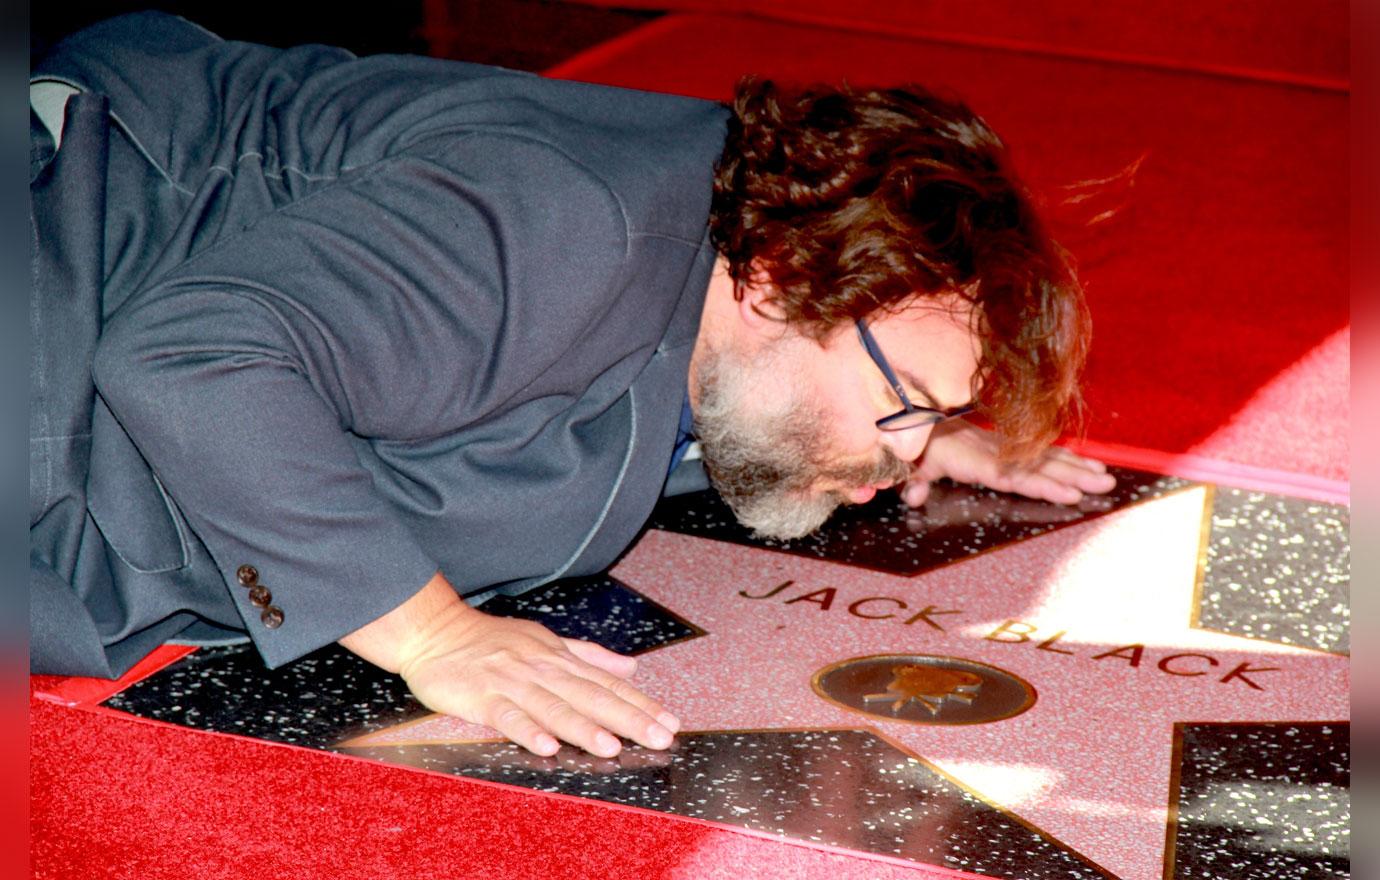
[{"x": 522, "y": 34}]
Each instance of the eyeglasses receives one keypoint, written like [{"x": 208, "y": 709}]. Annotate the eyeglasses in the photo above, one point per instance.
[{"x": 911, "y": 416}]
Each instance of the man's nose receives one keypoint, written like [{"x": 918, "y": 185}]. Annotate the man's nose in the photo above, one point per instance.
[{"x": 909, "y": 443}]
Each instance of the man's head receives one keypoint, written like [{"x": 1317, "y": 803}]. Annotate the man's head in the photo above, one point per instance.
[
  {"x": 790, "y": 424},
  {"x": 895, "y": 208}
]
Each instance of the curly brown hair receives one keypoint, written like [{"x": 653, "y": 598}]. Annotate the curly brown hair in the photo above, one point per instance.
[{"x": 854, "y": 202}]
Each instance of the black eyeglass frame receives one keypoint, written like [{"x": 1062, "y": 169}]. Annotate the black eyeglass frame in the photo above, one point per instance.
[{"x": 911, "y": 416}]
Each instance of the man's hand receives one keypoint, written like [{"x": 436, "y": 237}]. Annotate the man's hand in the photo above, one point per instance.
[
  {"x": 513, "y": 675},
  {"x": 966, "y": 453}
]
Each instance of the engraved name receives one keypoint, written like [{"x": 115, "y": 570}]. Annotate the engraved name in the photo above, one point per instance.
[{"x": 1181, "y": 664}]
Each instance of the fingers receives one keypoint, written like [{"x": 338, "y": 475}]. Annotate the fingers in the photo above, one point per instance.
[
  {"x": 583, "y": 712},
  {"x": 613, "y": 705},
  {"x": 534, "y": 687},
  {"x": 538, "y": 717},
  {"x": 1090, "y": 465},
  {"x": 625, "y": 693},
  {"x": 916, "y": 492},
  {"x": 1058, "y": 479},
  {"x": 508, "y": 719},
  {"x": 552, "y": 713},
  {"x": 623, "y": 667},
  {"x": 1036, "y": 484},
  {"x": 535, "y": 704},
  {"x": 1059, "y": 475},
  {"x": 1084, "y": 474},
  {"x": 597, "y": 655},
  {"x": 1097, "y": 484}
]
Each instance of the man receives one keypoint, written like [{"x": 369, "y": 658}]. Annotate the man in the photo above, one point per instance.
[{"x": 372, "y": 335}]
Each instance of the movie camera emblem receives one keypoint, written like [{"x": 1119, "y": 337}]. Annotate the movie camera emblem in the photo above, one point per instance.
[{"x": 924, "y": 689}]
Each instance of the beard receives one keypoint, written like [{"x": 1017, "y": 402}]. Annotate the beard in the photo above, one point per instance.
[{"x": 765, "y": 453}]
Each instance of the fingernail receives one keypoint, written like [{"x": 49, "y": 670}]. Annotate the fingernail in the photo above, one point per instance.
[
  {"x": 658, "y": 737},
  {"x": 607, "y": 745},
  {"x": 668, "y": 721},
  {"x": 547, "y": 746}
]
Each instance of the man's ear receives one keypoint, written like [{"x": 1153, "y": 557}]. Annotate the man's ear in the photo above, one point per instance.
[{"x": 758, "y": 306}]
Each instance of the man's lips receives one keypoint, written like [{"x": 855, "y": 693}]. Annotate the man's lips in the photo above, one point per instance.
[{"x": 864, "y": 494}]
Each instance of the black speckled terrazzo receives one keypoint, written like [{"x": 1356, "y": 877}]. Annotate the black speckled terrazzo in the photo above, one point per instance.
[
  {"x": 331, "y": 695},
  {"x": 839, "y": 787},
  {"x": 1264, "y": 802},
  {"x": 315, "y": 702},
  {"x": 955, "y": 523},
  {"x": 1280, "y": 569},
  {"x": 597, "y": 609}
]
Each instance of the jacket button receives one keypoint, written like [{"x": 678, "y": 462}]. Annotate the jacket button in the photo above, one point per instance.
[
  {"x": 260, "y": 596},
  {"x": 272, "y": 617},
  {"x": 248, "y": 575}
]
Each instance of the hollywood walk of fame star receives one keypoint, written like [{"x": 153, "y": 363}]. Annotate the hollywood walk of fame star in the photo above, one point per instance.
[{"x": 1095, "y": 617}]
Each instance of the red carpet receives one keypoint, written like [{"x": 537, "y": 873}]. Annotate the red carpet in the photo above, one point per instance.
[
  {"x": 114, "y": 797},
  {"x": 1276, "y": 40}
]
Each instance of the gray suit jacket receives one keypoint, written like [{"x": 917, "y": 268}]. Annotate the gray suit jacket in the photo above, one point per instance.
[{"x": 350, "y": 321}]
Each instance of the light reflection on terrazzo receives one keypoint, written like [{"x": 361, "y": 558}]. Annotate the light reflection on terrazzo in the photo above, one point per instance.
[
  {"x": 1264, "y": 802},
  {"x": 1279, "y": 569},
  {"x": 957, "y": 522},
  {"x": 839, "y": 787}
]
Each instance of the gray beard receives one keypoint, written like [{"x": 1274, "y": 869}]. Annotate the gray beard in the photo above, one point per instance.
[{"x": 764, "y": 464}]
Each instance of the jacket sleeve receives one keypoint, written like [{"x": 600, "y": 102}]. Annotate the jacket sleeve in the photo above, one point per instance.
[
  {"x": 206, "y": 384},
  {"x": 383, "y": 305}
]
